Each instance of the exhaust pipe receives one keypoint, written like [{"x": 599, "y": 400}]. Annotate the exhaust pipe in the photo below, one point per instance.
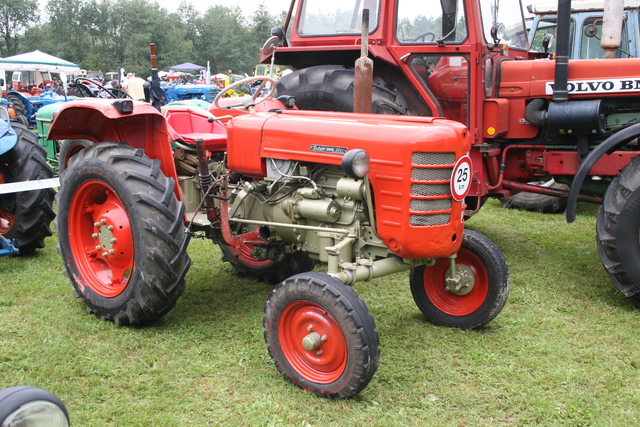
[{"x": 560, "y": 91}]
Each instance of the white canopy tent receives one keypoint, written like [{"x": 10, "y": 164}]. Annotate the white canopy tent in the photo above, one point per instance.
[{"x": 39, "y": 61}]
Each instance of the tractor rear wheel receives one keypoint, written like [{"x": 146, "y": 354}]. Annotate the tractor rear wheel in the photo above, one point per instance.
[
  {"x": 330, "y": 88},
  {"x": 484, "y": 285},
  {"x": 321, "y": 335},
  {"x": 26, "y": 216},
  {"x": 19, "y": 108},
  {"x": 618, "y": 231},
  {"x": 270, "y": 272},
  {"x": 68, "y": 149},
  {"x": 121, "y": 234}
]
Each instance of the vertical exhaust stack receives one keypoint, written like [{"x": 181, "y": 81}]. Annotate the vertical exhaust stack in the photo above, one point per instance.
[
  {"x": 612, "y": 27},
  {"x": 363, "y": 73},
  {"x": 560, "y": 91}
]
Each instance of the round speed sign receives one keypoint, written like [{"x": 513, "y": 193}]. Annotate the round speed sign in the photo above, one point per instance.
[{"x": 461, "y": 178}]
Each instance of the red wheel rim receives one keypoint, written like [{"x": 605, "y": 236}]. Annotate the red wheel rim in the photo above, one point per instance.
[
  {"x": 101, "y": 239},
  {"x": 449, "y": 302},
  {"x": 7, "y": 215},
  {"x": 324, "y": 364}
]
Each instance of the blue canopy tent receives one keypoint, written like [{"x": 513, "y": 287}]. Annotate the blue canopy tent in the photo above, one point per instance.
[{"x": 187, "y": 66}]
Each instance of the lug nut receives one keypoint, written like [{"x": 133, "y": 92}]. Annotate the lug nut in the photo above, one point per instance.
[
  {"x": 103, "y": 221},
  {"x": 96, "y": 224},
  {"x": 110, "y": 227},
  {"x": 105, "y": 254},
  {"x": 111, "y": 252},
  {"x": 319, "y": 353},
  {"x": 94, "y": 235},
  {"x": 113, "y": 240},
  {"x": 98, "y": 247}
]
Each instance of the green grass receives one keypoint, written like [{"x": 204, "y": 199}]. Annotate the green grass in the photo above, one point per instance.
[{"x": 564, "y": 351}]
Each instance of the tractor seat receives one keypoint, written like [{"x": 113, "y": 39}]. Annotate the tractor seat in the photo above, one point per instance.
[{"x": 191, "y": 123}]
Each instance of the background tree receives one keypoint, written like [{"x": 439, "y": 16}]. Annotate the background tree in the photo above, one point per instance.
[{"x": 15, "y": 17}]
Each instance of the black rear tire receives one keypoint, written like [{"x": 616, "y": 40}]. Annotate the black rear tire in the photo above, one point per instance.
[
  {"x": 330, "y": 88},
  {"x": 618, "y": 231},
  {"x": 345, "y": 350},
  {"x": 270, "y": 272},
  {"x": 26, "y": 216},
  {"x": 68, "y": 149},
  {"x": 121, "y": 234},
  {"x": 19, "y": 108}
]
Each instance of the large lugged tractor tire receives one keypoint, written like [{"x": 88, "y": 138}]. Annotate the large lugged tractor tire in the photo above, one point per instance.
[
  {"x": 19, "y": 108},
  {"x": 475, "y": 305},
  {"x": 68, "y": 149},
  {"x": 121, "y": 234},
  {"x": 536, "y": 202},
  {"x": 26, "y": 216},
  {"x": 330, "y": 88},
  {"x": 321, "y": 335},
  {"x": 618, "y": 231},
  {"x": 270, "y": 272}
]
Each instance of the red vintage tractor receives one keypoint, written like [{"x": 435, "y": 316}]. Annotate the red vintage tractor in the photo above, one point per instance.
[
  {"x": 278, "y": 190},
  {"x": 536, "y": 124}
]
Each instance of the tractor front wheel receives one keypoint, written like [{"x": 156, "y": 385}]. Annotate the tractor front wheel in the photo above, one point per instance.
[
  {"x": 121, "y": 234},
  {"x": 68, "y": 149},
  {"x": 321, "y": 335},
  {"x": 618, "y": 231},
  {"x": 25, "y": 216},
  {"x": 477, "y": 298}
]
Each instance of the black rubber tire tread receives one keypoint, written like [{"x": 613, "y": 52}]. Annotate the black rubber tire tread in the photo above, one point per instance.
[
  {"x": 618, "y": 226},
  {"x": 536, "y": 202},
  {"x": 156, "y": 216},
  {"x": 18, "y": 106},
  {"x": 75, "y": 91},
  {"x": 499, "y": 285},
  {"x": 27, "y": 161},
  {"x": 269, "y": 272},
  {"x": 68, "y": 148},
  {"x": 353, "y": 317},
  {"x": 330, "y": 88}
]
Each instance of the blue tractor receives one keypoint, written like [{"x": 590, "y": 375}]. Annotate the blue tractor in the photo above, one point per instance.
[{"x": 26, "y": 188}]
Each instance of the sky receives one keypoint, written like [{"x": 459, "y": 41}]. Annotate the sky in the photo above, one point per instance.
[{"x": 247, "y": 6}]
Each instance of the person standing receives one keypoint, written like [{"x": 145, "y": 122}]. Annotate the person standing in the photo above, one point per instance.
[{"x": 134, "y": 86}]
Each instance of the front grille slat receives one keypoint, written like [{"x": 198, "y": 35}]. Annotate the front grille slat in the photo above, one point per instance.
[{"x": 427, "y": 194}]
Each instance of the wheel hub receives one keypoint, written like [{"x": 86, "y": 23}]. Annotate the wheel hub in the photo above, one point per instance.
[
  {"x": 463, "y": 282},
  {"x": 313, "y": 341}
]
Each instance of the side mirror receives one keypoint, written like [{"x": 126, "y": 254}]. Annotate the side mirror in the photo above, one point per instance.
[
  {"x": 547, "y": 42},
  {"x": 591, "y": 30}
]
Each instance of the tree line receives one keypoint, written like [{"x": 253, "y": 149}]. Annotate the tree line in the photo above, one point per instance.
[{"x": 101, "y": 34}]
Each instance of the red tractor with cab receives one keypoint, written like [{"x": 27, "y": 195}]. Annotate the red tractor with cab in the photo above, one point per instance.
[{"x": 545, "y": 130}]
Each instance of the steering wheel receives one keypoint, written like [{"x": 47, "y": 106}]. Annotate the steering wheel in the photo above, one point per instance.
[
  {"x": 247, "y": 100},
  {"x": 83, "y": 85},
  {"x": 423, "y": 37}
]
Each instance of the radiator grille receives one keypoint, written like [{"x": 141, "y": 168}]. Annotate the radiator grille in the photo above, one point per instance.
[
  {"x": 428, "y": 198},
  {"x": 433, "y": 158}
]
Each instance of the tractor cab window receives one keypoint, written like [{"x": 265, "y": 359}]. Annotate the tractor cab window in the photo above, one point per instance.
[
  {"x": 590, "y": 39},
  {"x": 446, "y": 78},
  {"x": 430, "y": 22},
  {"x": 509, "y": 14},
  {"x": 336, "y": 17},
  {"x": 548, "y": 25}
]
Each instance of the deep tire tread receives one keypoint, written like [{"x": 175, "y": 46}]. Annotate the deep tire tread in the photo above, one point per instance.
[
  {"x": 27, "y": 161},
  {"x": 161, "y": 261}
]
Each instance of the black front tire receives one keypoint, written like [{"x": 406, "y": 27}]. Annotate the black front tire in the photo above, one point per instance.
[
  {"x": 321, "y": 335},
  {"x": 121, "y": 234},
  {"x": 483, "y": 265},
  {"x": 536, "y": 202},
  {"x": 618, "y": 231},
  {"x": 68, "y": 149},
  {"x": 26, "y": 216}
]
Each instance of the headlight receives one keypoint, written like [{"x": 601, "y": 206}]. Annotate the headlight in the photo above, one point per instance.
[
  {"x": 31, "y": 407},
  {"x": 497, "y": 31},
  {"x": 356, "y": 163}
]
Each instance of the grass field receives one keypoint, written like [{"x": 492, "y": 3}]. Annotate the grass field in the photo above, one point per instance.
[{"x": 564, "y": 351}]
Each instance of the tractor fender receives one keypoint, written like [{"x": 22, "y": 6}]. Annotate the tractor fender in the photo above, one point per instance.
[
  {"x": 104, "y": 120},
  {"x": 611, "y": 144}
]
